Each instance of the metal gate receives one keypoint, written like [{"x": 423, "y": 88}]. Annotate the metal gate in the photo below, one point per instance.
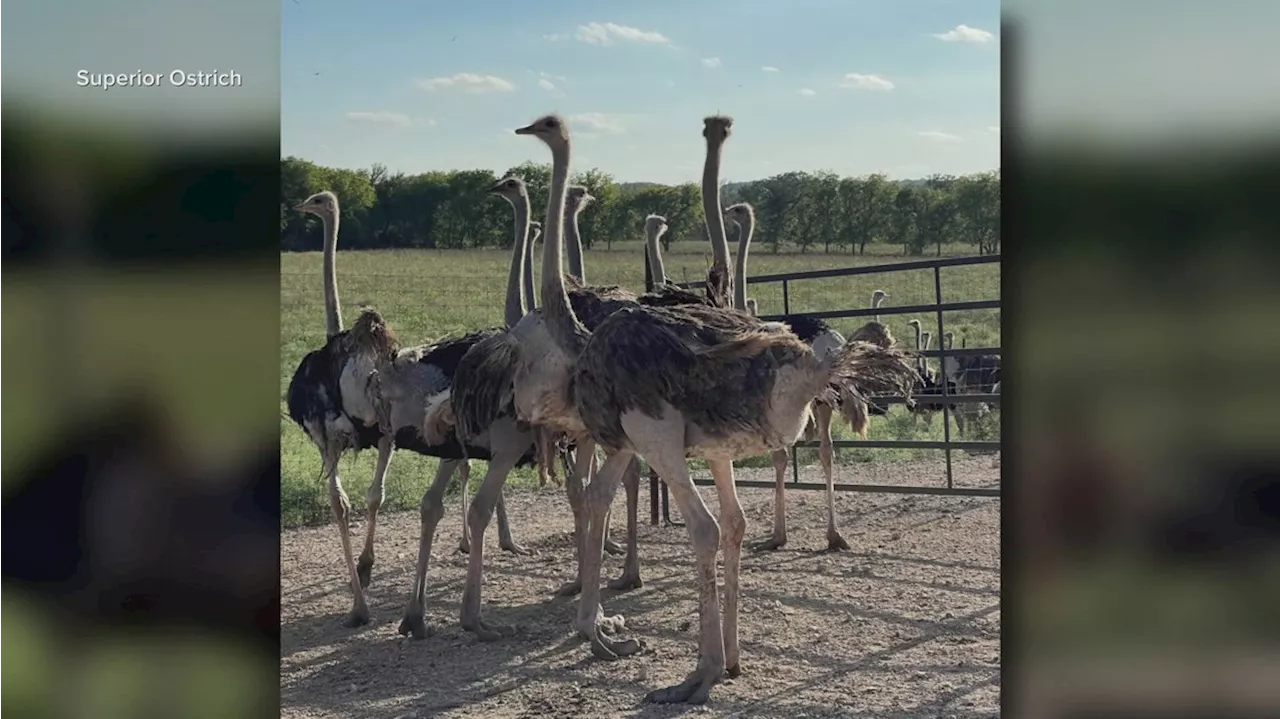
[{"x": 658, "y": 490}]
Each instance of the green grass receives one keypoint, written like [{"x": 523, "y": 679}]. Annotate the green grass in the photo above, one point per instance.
[{"x": 426, "y": 294}]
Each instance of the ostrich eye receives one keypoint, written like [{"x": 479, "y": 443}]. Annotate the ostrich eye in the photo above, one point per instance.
[{"x": 551, "y": 123}]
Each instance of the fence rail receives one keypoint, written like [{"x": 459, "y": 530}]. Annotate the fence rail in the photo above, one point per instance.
[{"x": 945, "y": 398}]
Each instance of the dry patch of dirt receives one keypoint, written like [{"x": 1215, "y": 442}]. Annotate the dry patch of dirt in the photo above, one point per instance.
[{"x": 907, "y": 624}]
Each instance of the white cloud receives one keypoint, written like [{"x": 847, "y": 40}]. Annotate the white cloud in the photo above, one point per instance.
[
  {"x": 711, "y": 61},
  {"x": 595, "y": 122},
  {"x": 546, "y": 84},
  {"x": 858, "y": 81},
  {"x": 939, "y": 136},
  {"x": 606, "y": 33},
  {"x": 769, "y": 68},
  {"x": 392, "y": 119},
  {"x": 807, "y": 92},
  {"x": 964, "y": 33},
  {"x": 468, "y": 82},
  {"x": 555, "y": 37}
]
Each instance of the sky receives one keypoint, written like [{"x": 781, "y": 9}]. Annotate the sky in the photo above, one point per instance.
[{"x": 850, "y": 86}]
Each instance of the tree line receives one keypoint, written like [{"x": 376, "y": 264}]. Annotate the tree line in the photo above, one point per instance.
[{"x": 795, "y": 211}]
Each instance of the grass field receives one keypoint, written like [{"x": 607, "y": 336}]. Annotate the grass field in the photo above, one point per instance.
[{"x": 426, "y": 294}]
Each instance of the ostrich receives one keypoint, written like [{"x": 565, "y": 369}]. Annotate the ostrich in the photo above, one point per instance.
[
  {"x": 969, "y": 375},
  {"x": 824, "y": 340},
  {"x": 689, "y": 380},
  {"x": 357, "y": 392},
  {"x": 928, "y": 383}
]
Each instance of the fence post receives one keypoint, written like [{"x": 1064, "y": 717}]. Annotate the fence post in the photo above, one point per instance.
[{"x": 942, "y": 366}]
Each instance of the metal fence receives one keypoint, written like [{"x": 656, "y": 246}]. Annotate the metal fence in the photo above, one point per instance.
[{"x": 658, "y": 490}]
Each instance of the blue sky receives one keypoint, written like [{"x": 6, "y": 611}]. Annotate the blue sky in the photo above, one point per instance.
[{"x": 851, "y": 86}]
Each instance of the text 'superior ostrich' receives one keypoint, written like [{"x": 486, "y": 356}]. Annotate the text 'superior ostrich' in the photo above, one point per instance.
[
  {"x": 823, "y": 339},
  {"x": 362, "y": 390},
  {"x": 672, "y": 382}
]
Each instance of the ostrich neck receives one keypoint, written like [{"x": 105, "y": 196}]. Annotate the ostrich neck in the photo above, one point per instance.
[
  {"x": 711, "y": 208},
  {"x": 574, "y": 248},
  {"x": 564, "y": 327},
  {"x": 332, "y": 310},
  {"x": 653, "y": 260},
  {"x": 530, "y": 289},
  {"x": 745, "y": 228},
  {"x": 919, "y": 338},
  {"x": 649, "y": 283},
  {"x": 517, "y": 303}
]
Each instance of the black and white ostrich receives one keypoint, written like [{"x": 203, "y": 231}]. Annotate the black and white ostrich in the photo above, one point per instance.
[
  {"x": 669, "y": 383},
  {"x": 362, "y": 390}
]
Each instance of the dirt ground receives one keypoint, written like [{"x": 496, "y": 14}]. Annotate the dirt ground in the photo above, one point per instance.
[{"x": 906, "y": 625}]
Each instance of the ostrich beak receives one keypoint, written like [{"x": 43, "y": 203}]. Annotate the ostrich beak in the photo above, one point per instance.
[
  {"x": 526, "y": 130},
  {"x": 495, "y": 189},
  {"x": 300, "y": 207}
]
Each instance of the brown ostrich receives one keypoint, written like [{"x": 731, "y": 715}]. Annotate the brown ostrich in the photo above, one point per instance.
[
  {"x": 361, "y": 390},
  {"x": 687, "y": 381},
  {"x": 823, "y": 339}
]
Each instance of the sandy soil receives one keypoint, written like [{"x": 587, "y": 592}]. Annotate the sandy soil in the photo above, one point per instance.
[{"x": 907, "y": 624}]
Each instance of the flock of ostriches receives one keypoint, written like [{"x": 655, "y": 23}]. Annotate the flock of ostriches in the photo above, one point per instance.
[{"x": 595, "y": 377}]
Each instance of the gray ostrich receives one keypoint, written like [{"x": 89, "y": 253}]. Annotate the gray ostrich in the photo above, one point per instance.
[
  {"x": 361, "y": 390},
  {"x": 687, "y": 381},
  {"x": 476, "y": 407},
  {"x": 824, "y": 340}
]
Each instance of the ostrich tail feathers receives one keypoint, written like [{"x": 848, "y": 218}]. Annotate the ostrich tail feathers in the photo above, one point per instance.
[
  {"x": 854, "y": 411},
  {"x": 372, "y": 336},
  {"x": 860, "y": 369}
]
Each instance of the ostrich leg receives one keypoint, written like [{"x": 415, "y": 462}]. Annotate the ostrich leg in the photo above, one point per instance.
[
  {"x": 826, "y": 452},
  {"x": 630, "y": 577},
  {"x": 509, "y": 444},
  {"x": 733, "y": 526},
  {"x": 779, "y": 536},
  {"x": 373, "y": 500},
  {"x": 596, "y": 501},
  {"x": 431, "y": 510},
  {"x": 704, "y": 534},
  {"x": 581, "y": 468},
  {"x": 341, "y": 507}
]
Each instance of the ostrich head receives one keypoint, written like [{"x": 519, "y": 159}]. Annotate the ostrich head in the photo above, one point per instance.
[
  {"x": 551, "y": 129},
  {"x": 577, "y": 199},
  {"x": 948, "y": 340},
  {"x": 915, "y": 325},
  {"x": 752, "y": 307},
  {"x": 877, "y": 297},
  {"x": 655, "y": 225},
  {"x": 716, "y": 128},
  {"x": 322, "y": 204},
  {"x": 509, "y": 189},
  {"x": 739, "y": 214}
]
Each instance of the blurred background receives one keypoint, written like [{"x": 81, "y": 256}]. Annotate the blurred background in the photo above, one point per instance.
[
  {"x": 1142, "y": 514},
  {"x": 140, "y": 317},
  {"x": 140, "y": 328}
]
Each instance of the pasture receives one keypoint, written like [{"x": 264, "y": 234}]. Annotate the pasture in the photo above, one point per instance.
[
  {"x": 905, "y": 625},
  {"x": 426, "y": 294}
]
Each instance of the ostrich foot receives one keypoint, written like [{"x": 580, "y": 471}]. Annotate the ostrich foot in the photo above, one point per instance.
[
  {"x": 364, "y": 570},
  {"x": 486, "y": 632},
  {"x": 517, "y": 549},
  {"x": 569, "y": 589},
  {"x": 695, "y": 689},
  {"x": 609, "y": 624},
  {"x": 612, "y": 547},
  {"x": 734, "y": 671},
  {"x": 629, "y": 579},
  {"x": 464, "y": 546},
  {"x": 357, "y": 617},
  {"x": 835, "y": 542},
  {"x": 777, "y": 541},
  {"x": 602, "y": 646},
  {"x": 414, "y": 625}
]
